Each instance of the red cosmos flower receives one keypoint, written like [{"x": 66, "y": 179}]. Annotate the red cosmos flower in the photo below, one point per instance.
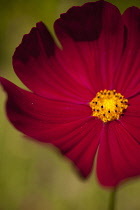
[{"x": 85, "y": 96}]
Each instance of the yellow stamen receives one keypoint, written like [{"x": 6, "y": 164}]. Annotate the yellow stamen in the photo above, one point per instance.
[{"x": 108, "y": 105}]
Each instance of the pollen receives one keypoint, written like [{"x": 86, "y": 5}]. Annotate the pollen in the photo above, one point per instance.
[{"x": 108, "y": 105}]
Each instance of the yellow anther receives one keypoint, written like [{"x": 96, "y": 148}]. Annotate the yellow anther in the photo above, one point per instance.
[{"x": 108, "y": 105}]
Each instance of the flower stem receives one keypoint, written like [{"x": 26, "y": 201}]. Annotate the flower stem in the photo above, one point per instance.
[{"x": 112, "y": 199}]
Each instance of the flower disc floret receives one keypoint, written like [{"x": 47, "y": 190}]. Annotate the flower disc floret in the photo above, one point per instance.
[{"x": 108, "y": 105}]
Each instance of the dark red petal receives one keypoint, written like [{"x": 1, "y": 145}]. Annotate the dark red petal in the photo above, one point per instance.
[
  {"x": 80, "y": 23},
  {"x": 131, "y": 118},
  {"x": 118, "y": 156},
  {"x": 94, "y": 34},
  {"x": 38, "y": 42},
  {"x": 36, "y": 65},
  {"x": 68, "y": 126},
  {"x": 42, "y": 109},
  {"x": 81, "y": 145},
  {"x": 127, "y": 76}
]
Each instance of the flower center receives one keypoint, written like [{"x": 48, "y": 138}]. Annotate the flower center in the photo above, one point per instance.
[{"x": 108, "y": 105}]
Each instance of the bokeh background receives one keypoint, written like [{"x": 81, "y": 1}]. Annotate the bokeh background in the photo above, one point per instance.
[{"x": 32, "y": 176}]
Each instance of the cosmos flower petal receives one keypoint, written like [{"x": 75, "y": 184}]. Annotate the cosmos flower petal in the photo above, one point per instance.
[
  {"x": 89, "y": 33},
  {"x": 128, "y": 71},
  {"x": 74, "y": 133},
  {"x": 36, "y": 65},
  {"x": 131, "y": 118},
  {"x": 21, "y": 102},
  {"x": 81, "y": 145},
  {"x": 118, "y": 155}
]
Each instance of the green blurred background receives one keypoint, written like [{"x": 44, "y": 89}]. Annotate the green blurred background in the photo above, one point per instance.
[{"x": 34, "y": 177}]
